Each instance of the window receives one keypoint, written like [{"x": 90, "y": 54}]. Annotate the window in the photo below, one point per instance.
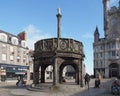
[
  {"x": 3, "y": 47},
  {"x": 101, "y": 64},
  {"x": 113, "y": 21},
  {"x": 108, "y": 46},
  {"x": 18, "y": 59},
  {"x": 11, "y": 48},
  {"x": 14, "y": 41},
  {"x": 4, "y": 38},
  {"x": 23, "y": 43},
  {"x": 96, "y": 64},
  {"x": 113, "y": 35},
  {"x": 113, "y": 45},
  {"x": 101, "y": 54},
  {"x": 109, "y": 54},
  {"x": 11, "y": 57},
  {"x": 101, "y": 47},
  {"x": 18, "y": 50},
  {"x": 47, "y": 72},
  {"x": 113, "y": 53},
  {"x": 24, "y": 60},
  {"x": 24, "y": 51},
  {"x": 3, "y": 57},
  {"x": 96, "y": 55}
]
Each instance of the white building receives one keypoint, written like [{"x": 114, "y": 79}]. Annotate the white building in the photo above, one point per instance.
[{"x": 107, "y": 49}]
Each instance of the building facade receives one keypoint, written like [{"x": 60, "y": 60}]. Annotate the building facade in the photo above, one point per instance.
[
  {"x": 13, "y": 56},
  {"x": 30, "y": 60},
  {"x": 107, "y": 49}
]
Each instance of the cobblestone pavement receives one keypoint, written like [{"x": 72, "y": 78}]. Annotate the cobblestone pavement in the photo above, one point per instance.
[{"x": 9, "y": 89}]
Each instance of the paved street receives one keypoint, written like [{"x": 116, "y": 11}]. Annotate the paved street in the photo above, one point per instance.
[{"x": 9, "y": 89}]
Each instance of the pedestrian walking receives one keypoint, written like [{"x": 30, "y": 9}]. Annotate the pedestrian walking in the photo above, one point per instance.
[{"x": 87, "y": 79}]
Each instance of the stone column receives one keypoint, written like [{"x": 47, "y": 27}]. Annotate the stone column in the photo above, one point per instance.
[
  {"x": 42, "y": 75},
  {"x": 77, "y": 77},
  {"x": 107, "y": 72},
  {"x": 80, "y": 73},
  {"x": 58, "y": 22},
  {"x": 35, "y": 74},
  {"x": 28, "y": 74},
  {"x": 55, "y": 72},
  {"x": 60, "y": 76},
  {"x": 119, "y": 70},
  {"x": 36, "y": 77}
]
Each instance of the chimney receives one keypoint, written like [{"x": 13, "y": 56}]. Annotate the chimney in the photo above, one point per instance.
[{"x": 23, "y": 35}]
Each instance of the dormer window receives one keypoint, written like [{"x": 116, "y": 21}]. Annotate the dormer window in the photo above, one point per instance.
[
  {"x": 3, "y": 37},
  {"x": 23, "y": 43},
  {"x": 14, "y": 41}
]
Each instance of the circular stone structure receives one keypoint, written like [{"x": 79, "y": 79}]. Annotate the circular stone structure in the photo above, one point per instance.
[{"x": 58, "y": 52}]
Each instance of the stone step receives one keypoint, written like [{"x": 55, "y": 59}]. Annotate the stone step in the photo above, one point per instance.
[{"x": 39, "y": 87}]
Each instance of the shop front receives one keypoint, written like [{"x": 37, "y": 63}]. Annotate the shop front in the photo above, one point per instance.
[{"x": 12, "y": 72}]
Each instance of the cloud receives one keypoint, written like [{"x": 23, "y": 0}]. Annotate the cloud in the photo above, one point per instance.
[
  {"x": 34, "y": 34},
  {"x": 113, "y": 1},
  {"x": 87, "y": 36},
  {"x": 32, "y": 29}
]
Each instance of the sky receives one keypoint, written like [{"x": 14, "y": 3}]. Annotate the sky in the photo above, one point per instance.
[{"x": 38, "y": 19}]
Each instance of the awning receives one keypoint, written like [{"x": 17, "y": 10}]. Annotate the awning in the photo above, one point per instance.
[{"x": 20, "y": 73}]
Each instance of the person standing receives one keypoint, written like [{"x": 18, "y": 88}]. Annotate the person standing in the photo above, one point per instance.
[{"x": 97, "y": 83}]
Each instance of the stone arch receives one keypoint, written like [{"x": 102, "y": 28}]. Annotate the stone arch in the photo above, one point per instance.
[
  {"x": 113, "y": 70},
  {"x": 62, "y": 66},
  {"x": 43, "y": 69},
  {"x": 53, "y": 52}
]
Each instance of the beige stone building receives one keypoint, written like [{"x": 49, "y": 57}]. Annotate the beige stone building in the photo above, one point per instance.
[
  {"x": 107, "y": 49},
  {"x": 13, "y": 56}
]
